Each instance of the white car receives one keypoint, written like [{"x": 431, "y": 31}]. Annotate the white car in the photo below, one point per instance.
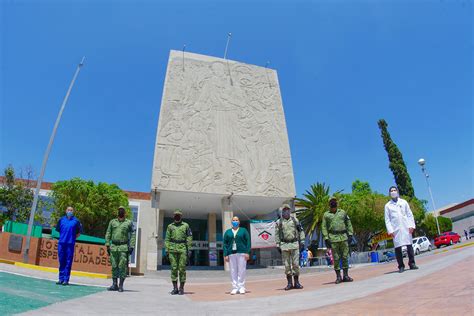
[{"x": 420, "y": 244}]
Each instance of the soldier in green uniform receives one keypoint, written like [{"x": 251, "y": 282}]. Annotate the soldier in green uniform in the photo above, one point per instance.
[
  {"x": 178, "y": 244},
  {"x": 289, "y": 237},
  {"x": 120, "y": 240},
  {"x": 337, "y": 229}
]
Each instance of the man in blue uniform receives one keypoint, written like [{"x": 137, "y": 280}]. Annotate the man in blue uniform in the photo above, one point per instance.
[{"x": 69, "y": 228}]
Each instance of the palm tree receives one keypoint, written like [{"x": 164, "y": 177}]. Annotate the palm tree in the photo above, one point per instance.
[{"x": 313, "y": 206}]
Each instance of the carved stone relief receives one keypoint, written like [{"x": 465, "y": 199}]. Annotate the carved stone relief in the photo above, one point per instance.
[{"x": 222, "y": 129}]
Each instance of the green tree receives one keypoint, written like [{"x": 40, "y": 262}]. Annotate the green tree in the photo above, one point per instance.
[
  {"x": 95, "y": 204},
  {"x": 16, "y": 198},
  {"x": 313, "y": 205},
  {"x": 396, "y": 162},
  {"x": 366, "y": 211},
  {"x": 428, "y": 226}
]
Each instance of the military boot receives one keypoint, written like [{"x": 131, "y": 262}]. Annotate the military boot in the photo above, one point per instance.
[
  {"x": 181, "y": 288},
  {"x": 289, "y": 286},
  {"x": 346, "y": 277},
  {"x": 338, "y": 277},
  {"x": 120, "y": 288},
  {"x": 114, "y": 286},
  {"x": 297, "y": 283},
  {"x": 175, "y": 288}
]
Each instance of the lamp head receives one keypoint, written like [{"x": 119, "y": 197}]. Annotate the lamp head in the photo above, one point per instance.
[{"x": 421, "y": 162}]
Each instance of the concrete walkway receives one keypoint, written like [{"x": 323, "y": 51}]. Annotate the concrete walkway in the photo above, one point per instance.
[{"x": 376, "y": 290}]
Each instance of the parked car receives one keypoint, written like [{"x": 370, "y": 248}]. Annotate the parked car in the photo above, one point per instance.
[
  {"x": 447, "y": 239},
  {"x": 471, "y": 232},
  {"x": 420, "y": 244}
]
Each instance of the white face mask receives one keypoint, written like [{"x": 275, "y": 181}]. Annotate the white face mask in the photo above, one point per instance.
[{"x": 394, "y": 194}]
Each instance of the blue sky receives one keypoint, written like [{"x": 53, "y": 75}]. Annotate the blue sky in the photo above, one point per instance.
[{"x": 342, "y": 65}]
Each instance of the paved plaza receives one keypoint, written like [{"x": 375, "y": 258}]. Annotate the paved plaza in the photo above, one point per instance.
[{"x": 444, "y": 285}]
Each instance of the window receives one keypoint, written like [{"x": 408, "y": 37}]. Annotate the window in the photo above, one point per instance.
[
  {"x": 419, "y": 241},
  {"x": 135, "y": 208}
]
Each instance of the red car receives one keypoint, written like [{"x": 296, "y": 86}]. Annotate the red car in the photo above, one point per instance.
[{"x": 447, "y": 238}]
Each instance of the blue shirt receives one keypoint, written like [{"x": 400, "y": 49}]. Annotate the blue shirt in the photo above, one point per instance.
[{"x": 68, "y": 228}]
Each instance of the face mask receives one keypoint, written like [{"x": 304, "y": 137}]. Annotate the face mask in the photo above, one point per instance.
[
  {"x": 333, "y": 204},
  {"x": 394, "y": 194},
  {"x": 235, "y": 224},
  {"x": 121, "y": 213},
  {"x": 286, "y": 214},
  {"x": 177, "y": 218},
  {"x": 69, "y": 213}
]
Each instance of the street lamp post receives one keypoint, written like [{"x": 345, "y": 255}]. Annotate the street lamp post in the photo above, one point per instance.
[
  {"x": 422, "y": 163},
  {"x": 43, "y": 166}
]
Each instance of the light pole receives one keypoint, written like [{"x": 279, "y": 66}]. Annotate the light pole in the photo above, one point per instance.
[
  {"x": 45, "y": 160},
  {"x": 422, "y": 163}
]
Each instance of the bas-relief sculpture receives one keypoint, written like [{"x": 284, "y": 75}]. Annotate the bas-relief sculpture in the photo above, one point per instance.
[{"x": 222, "y": 129}]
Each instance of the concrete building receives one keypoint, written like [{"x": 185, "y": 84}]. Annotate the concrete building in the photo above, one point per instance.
[
  {"x": 462, "y": 216},
  {"x": 221, "y": 149}
]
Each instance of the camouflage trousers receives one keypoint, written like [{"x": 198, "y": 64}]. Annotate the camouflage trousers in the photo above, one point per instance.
[
  {"x": 291, "y": 259},
  {"x": 340, "y": 250},
  {"x": 119, "y": 260},
  {"x": 178, "y": 261}
]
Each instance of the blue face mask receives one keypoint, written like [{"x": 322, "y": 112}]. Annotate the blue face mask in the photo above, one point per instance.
[
  {"x": 235, "y": 224},
  {"x": 69, "y": 213}
]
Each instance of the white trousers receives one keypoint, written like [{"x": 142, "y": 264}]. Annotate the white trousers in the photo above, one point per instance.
[{"x": 238, "y": 267}]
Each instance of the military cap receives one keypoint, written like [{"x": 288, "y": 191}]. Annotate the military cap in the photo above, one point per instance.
[
  {"x": 285, "y": 206},
  {"x": 177, "y": 212},
  {"x": 121, "y": 208}
]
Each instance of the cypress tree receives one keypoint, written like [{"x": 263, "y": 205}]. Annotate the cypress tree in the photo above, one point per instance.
[{"x": 396, "y": 162}]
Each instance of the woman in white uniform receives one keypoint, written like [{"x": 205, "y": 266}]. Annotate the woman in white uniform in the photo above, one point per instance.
[
  {"x": 400, "y": 225},
  {"x": 236, "y": 252}
]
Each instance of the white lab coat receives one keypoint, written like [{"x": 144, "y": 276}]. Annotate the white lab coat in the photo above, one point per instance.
[{"x": 398, "y": 220}]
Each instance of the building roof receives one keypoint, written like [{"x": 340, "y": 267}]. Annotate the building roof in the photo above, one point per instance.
[
  {"x": 47, "y": 186},
  {"x": 456, "y": 207}
]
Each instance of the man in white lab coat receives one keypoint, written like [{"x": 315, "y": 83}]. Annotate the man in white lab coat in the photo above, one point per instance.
[{"x": 400, "y": 225}]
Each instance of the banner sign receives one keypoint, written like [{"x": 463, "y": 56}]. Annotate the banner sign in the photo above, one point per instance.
[
  {"x": 380, "y": 237},
  {"x": 262, "y": 233}
]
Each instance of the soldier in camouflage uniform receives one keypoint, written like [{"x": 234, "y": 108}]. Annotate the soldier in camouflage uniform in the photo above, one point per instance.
[
  {"x": 178, "y": 244},
  {"x": 337, "y": 229},
  {"x": 120, "y": 241},
  {"x": 289, "y": 237}
]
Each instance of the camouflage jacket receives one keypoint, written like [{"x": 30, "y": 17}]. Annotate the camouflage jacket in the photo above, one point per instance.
[
  {"x": 287, "y": 233},
  {"x": 336, "y": 226},
  {"x": 120, "y": 235},
  {"x": 178, "y": 237}
]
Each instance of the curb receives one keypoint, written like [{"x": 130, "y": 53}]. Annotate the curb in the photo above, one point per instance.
[
  {"x": 454, "y": 247},
  {"x": 7, "y": 261},
  {"x": 55, "y": 270}
]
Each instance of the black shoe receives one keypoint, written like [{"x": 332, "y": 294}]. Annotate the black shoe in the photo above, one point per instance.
[
  {"x": 65, "y": 283},
  {"x": 114, "y": 286},
  {"x": 59, "y": 282},
  {"x": 413, "y": 267},
  {"x": 175, "y": 288},
  {"x": 401, "y": 270},
  {"x": 338, "y": 277},
  {"x": 346, "y": 277},
  {"x": 297, "y": 285},
  {"x": 181, "y": 289},
  {"x": 120, "y": 288},
  {"x": 289, "y": 286}
]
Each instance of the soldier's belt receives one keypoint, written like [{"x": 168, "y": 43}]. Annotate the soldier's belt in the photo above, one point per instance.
[
  {"x": 289, "y": 240},
  {"x": 344, "y": 231},
  {"x": 118, "y": 243},
  {"x": 178, "y": 241}
]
